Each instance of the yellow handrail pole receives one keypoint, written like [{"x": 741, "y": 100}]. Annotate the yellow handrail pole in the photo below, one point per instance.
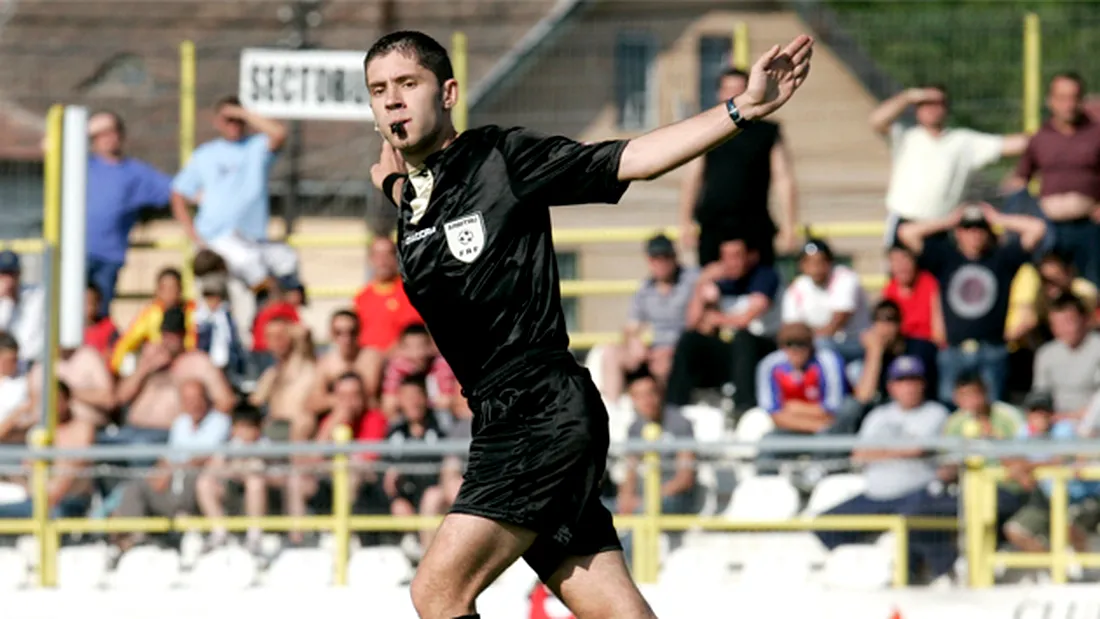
[
  {"x": 901, "y": 550},
  {"x": 989, "y": 523},
  {"x": 741, "y": 58},
  {"x": 460, "y": 56},
  {"x": 1059, "y": 531},
  {"x": 1033, "y": 57},
  {"x": 649, "y": 544},
  {"x": 47, "y": 537},
  {"x": 973, "y": 512},
  {"x": 187, "y": 136},
  {"x": 341, "y": 508},
  {"x": 51, "y": 232}
]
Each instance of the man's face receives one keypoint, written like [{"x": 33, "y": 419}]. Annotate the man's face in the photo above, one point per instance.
[
  {"x": 887, "y": 324},
  {"x": 730, "y": 87},
  {"x": 193, "y": 398},
  {"x": 970, "y": 398},
  {"x": 646, "y": 398},
  {"x": 907, "y": 392},
  {"x": 662, "y": 268},
  {"x": 971, "y": 241},
  {"x": 9, "y": 283},
  {"x": 1039, "y": 421},
  {"x": 345, "y": 334},
  {"x": 417, "y": 348},
  {"x": 172, "y": 342},
  {"x": 1067, "y": 326},
  {"x": 246, "y": 432},
  {"x": 9, "y": 362},
  {"x": 168, "y": 291},
  {"x": 409, "y": 104},
  {"x": 933, "y": 114},
  {"x": 277, "y": 334},
  {"x": 348, "y": 394},
  {"x": 413, "y": 402},
  {"x": 734, "y": 258},
  {"x": 799, "y": 349},
  {"x": 817, "y": 267},
  {"x": 91, "y": 306},
  {"x": 383, "y": 259},
  {"x": 1064, "y": 100},
  {"x": 106, "y": 139},
  {"x": 1055, "y": 278},
  {"x": 902, "y": 267},
  {"x": 231, "y": 129}
]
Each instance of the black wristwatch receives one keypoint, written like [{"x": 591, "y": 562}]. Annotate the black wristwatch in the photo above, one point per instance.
[
  {"x": 735, "y": 115},
  {"x": 389, "y": 182}
]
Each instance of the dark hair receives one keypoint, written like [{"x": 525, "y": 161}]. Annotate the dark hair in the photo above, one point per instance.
[
  {"x": 732, "y": 72},
  {"x": 351, "y": 375},
  {"x": 91, "y": 287},
  {"x": 172, "y": 272},
  {"x": 120, "y": 126},
  {"x": 1055, "y": 257},
  {"x": 64, "y": 390},
  {"x": 969, "y": 379},
  {"x": 642, "y": 373},
  {"x": 227, "y": 100},
  {"x": 419, "y": 380},
  {"x": 1072, "y": 76},
  {"x": 427, "y": 51},
  {"x": 8, "y": 342},
  {"x": 415, "y": 329},
  {"x": 207, "y": 262},
  {"x": 1068, "y": 301},
  {"x": 903, "y": 248},
  {"x": 346, "y": 313},
  {"x": 247, "y": 414},
  {"x": 887, "y": 304}
]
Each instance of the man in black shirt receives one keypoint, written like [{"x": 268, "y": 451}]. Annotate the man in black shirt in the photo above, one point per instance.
[
  {"x": 478, "y": 264},
  {"x": 975, "y": 273},
  {"x": 726, "y": 191}
]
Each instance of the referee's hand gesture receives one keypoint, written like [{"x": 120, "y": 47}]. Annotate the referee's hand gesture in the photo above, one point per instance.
[
  {"x": 775, "y": 77},
  {"x": 390, "y": 162}
]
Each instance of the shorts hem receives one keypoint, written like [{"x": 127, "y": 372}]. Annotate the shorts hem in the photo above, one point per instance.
[{"x": 496, "y": 516}]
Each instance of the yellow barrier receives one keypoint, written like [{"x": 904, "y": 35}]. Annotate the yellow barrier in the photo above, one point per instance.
[
  {"x": 741, "y": 54},
  {"x": 1033, "y": 69},
  {"x": 51, "y": 230},
  {"x": 646, "y": 527}
]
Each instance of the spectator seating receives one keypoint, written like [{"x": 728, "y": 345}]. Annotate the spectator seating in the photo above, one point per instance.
[
  {"x": 82, "y": 567},
  {"x": 858, "y": 566},
  {"x": 379, "y": 566},
  {"x": 14, "y": 570},
  {"x": 832, "y": 491},
  {"x": 147, "y": 568},
  {"x": 766, "y": 497},
  {"x": 300, "y": 568}
]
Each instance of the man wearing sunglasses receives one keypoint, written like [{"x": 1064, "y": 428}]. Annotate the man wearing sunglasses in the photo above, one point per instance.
[{"x": 882, "y": 343}]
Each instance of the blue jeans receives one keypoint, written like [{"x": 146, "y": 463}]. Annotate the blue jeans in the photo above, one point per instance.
[
  {"x": 105, "y": 277},
  {"x": 69, "y": 507},
  {"x": 132, "y": 435},
  {"x": 990, "y": 361}
]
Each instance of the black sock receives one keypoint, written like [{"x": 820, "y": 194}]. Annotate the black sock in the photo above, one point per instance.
[{"x": 473, "y": 616}]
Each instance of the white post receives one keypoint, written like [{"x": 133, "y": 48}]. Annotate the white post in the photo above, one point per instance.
[{"x": 74, "y": 206}]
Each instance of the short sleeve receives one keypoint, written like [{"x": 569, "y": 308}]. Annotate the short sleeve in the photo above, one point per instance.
[
  {"x": 764, "y": 281},
  {"x": 931, "y": 422},
  {"x": 898, "y": 134},
  {"x": 985, "y": 148},
  {"x": 261, "y": 146},
  {"x": 558, "y": 171},
  {"x": 188, "y": 181},
  {"x": 874, "y": 425},
  {"x": 844, "y": 292},
  {"x": 789, "y": 311},
  {"x": 635, "y": 430},
  {"x": 179, "y": 430},
  {"x": 152, "y": 189},
  {"x": 680, "y": 427}
]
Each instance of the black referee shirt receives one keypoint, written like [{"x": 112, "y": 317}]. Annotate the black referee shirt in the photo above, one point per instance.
[{"x": 479, "y": 266}]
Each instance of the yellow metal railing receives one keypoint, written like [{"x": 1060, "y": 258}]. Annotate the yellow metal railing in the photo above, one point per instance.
[{"x": 646, "y": 528}]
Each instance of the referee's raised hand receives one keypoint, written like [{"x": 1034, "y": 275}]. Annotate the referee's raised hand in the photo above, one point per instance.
[
  {"x": 390, "y": 162},
  {"x": 775, "y": 77}
]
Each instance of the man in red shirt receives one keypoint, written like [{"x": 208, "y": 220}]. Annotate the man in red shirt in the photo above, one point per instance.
[
  {"x": 383, "y": 308},
  {"x": 917, "y": 295}
]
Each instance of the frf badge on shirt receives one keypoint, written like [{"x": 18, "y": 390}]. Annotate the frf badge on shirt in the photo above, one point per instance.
[{"x": 466, "y": 237}]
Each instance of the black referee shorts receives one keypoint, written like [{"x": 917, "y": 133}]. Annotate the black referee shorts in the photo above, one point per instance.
[{"x": 537, "y": 458}]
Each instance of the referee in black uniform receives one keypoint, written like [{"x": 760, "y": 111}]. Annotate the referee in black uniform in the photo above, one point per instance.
[{"x": 477, "y": 260}]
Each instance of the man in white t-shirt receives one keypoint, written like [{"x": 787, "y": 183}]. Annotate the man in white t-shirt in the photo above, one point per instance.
[
  {"x": 933, "y": 163},
  {"x": 22, "y": 309},
  {"x": 829, "y": 298}
]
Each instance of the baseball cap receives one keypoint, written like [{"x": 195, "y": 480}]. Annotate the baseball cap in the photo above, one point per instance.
[
  {"x": 292, "y": 282},
  {"x": 660, "y": 246},
  {"x": 1039, "y": 401},
  {"x": 905, "y": 366},
  {"x": 9, "y": 261},
  {"x": 816, "y": 246},
  {"x": 173, "y": 321},
  {"x": 973, "y": 217}
]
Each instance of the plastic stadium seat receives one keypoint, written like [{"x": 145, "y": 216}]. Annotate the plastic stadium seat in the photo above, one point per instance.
[
  {"x": 695, "y": 566},
  {"x": 147, "y": 568},
  {"x": 754, "y": 425},
  {"x": 13, "y": 569},
  {"x": 768, "y": 497},
  {"x": 300, "y": 568},
  {"x": 708, "y": 422},
  {"x": 834, "y": 490},
  {"x": 764, "y": 569},
  {"x": 379, "y": 566},
  {"x": 707, "y": 479},
  {"x": 27, "y": 545},
  {"x": 12, "y": 493},
  {"x": 858, "y": 566},
  {"x": 82, "y": 567},
  {"x": 190, "y": 549}
]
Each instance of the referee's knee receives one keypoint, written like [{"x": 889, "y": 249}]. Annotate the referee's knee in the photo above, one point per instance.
[{"x": 437, "y": 596}]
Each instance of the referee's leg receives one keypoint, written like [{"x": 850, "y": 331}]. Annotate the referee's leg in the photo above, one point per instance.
[
  {"x": 599, "y": 587},
  {"x": 467, "y": 554}
]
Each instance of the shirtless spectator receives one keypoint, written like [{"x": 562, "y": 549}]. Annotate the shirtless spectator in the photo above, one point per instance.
[
  {"x": 100, "y": 332},
  {"x": 345, "y": 355},
  {"x": 146, "y": 327},
  {"x": 383, "y": 309},
  {"x": 415, "y": 354},
  {"x": 69, "y": 490},
  {"x": 284, "y": 388},
  {"x": 347, "y": 404},
  {"x": 169, "y": 489},
  {"x": 240, "y": 482},
  {"x": 16, "y": 412},
  {"x": 1065, "y": 152},
  {"x": 91, "y": 383},
  {"x": 152, "y": 391}
]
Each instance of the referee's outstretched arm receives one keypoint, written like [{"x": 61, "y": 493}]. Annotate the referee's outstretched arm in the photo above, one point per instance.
[{"x": 772, "y": 81}]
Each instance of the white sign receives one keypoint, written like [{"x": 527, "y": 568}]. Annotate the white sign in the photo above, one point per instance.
[{"x": 306, "y": 84}]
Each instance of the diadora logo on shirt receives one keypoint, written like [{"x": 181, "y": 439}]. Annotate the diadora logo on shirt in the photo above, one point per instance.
[
  {"x": 466, "y": 237},
  {"x": 419, "y": 235}
]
